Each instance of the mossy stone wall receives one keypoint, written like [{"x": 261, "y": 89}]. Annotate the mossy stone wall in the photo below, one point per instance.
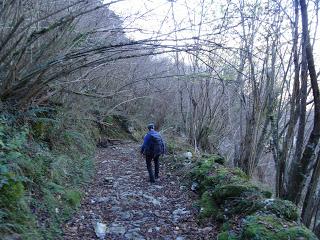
[{"x": 245, "y": 209}]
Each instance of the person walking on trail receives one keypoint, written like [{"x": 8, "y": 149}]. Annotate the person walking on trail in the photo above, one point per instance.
[{"x": 152, "y": 148}]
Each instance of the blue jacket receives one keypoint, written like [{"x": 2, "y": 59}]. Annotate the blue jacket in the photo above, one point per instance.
[{"x": 152, "y": 144}]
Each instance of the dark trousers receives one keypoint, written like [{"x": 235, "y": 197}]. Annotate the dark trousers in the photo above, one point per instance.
[{"x": 149, "y": 159}]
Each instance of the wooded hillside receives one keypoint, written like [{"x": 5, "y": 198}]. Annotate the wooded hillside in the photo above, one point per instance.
[{"x": 236, "y": 78}]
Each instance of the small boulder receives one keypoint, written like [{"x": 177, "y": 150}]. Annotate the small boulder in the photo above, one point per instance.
[
  {"x": 100, "y": 230},
  {"x": 116, "y": 229},
  {"x": 226, "y": 191},
  {"x": 179, "y": 214},
  {"x": 281, "y": 208},
  {"x": 195, "y": 186},
  {"x": 180, "y": 238},
  {"x": 187, "y": 155}
]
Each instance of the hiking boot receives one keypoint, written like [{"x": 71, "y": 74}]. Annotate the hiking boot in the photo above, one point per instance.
[{"x": 152, "y": 180}]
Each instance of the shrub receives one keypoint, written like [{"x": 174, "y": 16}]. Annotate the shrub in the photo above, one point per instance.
[{"x": 73, "y": 197}]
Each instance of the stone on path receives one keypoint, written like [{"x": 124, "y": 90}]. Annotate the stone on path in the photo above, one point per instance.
[
  {"x": 133, "y": 234},
  {"x": 125, "y": 215},
  {"x": 179, "y": 214},
  {"x": 116, "y": 229},
  {"x": 152, "y": 199},
  {"x": 100, "y": 230},
  {"x": 108, "y": 180},
  {"x": 180, "y": 238},
  {"x": 194, "y": 186}
]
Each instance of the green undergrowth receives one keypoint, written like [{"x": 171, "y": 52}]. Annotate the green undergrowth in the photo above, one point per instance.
[
  {"x": 43, "y": 165},
  {"x": 116, "y": 127},
  {"x": 245, "y": 209},
  {"x": 176, "y": 145}
]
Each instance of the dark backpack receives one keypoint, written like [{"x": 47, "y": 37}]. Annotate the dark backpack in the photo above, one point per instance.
[{"x": 157, "y": 146}]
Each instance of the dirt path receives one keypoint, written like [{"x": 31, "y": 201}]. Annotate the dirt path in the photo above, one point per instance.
[{"x": 121, "y": 197}]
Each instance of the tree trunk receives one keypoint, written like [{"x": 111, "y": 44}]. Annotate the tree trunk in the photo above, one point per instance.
[
  {"x": 310, "y": 199},
  {"x": 317, "y": 230},
  {"x": 300, "y": 169},
  {"x": 293, "y": 117},
  {"x": 247, "y": 145}
]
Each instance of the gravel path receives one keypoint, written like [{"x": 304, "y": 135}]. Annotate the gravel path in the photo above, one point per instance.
[{"x": 121, "y": 197}]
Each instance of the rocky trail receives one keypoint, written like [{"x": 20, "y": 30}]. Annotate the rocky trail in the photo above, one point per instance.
[{"x": 121, "y": 197}]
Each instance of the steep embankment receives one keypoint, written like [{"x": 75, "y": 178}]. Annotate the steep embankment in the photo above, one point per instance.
[
  {"x": 122, "y": 198},
  {"x": 43, "y": 166}
]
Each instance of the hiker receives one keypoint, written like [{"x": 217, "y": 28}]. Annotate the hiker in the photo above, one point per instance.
[{"x": 152, "y": 148}]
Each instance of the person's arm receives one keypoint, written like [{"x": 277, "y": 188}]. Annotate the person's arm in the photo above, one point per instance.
[
  {"x": 146, "y": 143},
  {"x": 163, "y": 146}
]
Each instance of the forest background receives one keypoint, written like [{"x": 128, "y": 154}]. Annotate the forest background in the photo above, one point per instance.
[{"x": 238, "y": 78}]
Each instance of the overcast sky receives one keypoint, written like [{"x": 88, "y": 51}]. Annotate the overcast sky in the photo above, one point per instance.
[{"x": 159, "y": 17}]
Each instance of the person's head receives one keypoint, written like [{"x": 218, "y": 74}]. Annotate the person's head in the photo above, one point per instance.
[{"x": 151, "y": 126}]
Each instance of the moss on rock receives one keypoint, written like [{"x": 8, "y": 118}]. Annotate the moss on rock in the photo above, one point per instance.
[
  {"x": 281, "y": 208},
  {"x": 203, "y": 169},
  {"x": 211, "y": 175},
  {"x": 266, "y": 193},
  {"x": 223, "y": 176},
  {"x": 241, "y": 206},
  {"x": 271, "y": 227},
  {"x": 227, "y": 191},
  {"x": 215, "y": 158},
  {"x": 208, "y": 206},
  {"x": 251, "y": 213}
]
